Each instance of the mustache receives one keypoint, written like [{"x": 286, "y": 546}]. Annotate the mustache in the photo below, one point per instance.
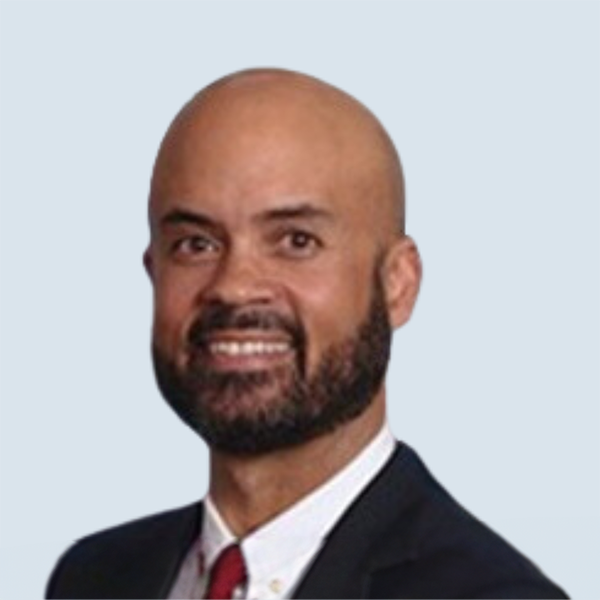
[{"x": 216, "y": 317}]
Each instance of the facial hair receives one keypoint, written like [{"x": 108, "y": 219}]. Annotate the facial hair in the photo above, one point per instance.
[{"x": 294, "y": 407}]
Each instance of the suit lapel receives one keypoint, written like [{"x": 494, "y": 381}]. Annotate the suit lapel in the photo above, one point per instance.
[
  {"x": 160, "y": 556},
  {"x": 344, "y": 566}
]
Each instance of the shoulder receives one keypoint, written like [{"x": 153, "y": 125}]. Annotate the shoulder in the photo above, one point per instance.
[
  {"x": 104, "y": 557},
  {"x": 132, "y": 536},
  {"x": 435, "y": 542}
]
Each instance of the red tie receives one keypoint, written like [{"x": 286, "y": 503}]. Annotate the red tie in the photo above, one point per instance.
[{"x": 227, "y": 573}]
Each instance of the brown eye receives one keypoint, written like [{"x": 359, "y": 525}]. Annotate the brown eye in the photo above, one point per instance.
[
  {"x": 299, "y": 239},
  {"x": 300, "y": 243},
  {"x": 195, "y": 246}
]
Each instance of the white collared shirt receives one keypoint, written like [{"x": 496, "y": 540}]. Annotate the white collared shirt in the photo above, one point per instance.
[{"x": 279, "y": 553}]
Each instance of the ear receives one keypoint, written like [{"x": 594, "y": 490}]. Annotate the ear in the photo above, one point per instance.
[
  {"x": 402, "y": 278},
  {"x": 149, "y": 263}
]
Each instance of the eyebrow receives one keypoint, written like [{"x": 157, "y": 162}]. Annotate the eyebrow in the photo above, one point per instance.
[
  {"x": 297, "y": 211},
  {"x": 179, "y": 216}
]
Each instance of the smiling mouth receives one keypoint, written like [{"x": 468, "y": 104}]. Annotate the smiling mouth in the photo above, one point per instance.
[{"x": 246, "y": 351}]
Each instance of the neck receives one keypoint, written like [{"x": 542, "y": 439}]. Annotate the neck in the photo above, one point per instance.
[{"x": 250, "y": 491}]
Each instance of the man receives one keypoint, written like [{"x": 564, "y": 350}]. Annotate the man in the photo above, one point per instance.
[{"x": 280, "y": 267}]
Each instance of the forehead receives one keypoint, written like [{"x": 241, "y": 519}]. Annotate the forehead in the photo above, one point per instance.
[
  {"x": 249, "y": 178},
  {"x": 239, "y": 155}
]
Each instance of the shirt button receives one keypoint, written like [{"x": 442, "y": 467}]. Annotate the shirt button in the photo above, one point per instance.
[{"x": 275, "y": 586}]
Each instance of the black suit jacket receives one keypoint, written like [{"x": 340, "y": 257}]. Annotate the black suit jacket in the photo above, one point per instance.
[{"x": 403, "y": 537}]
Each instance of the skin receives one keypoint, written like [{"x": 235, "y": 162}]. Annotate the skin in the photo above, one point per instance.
[{"x": 254, "y": 143}]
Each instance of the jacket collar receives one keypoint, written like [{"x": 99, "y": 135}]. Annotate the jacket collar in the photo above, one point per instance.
[
  {"x": 162, "y": 556},
  {"x": 348, "y": 560}
]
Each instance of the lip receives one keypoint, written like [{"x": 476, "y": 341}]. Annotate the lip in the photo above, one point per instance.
[
  {"x": 247, "y": 335},
  {"x": 254, "y": 362}
]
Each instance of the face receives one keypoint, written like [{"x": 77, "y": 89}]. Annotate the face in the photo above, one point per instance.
[{"x": 271, "y": 325}]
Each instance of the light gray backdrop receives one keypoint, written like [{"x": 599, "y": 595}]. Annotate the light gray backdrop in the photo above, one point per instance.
[{"x": 494, "y": 108}]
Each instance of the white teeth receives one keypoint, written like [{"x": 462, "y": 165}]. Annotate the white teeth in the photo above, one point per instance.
[{"x": 247, "y": 348}]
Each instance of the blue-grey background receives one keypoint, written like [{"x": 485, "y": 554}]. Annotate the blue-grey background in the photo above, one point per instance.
[{"x": 495, "y": 110}]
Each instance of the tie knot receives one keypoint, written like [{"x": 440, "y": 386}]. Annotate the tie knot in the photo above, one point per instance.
[{"x": 228, "y": 572}]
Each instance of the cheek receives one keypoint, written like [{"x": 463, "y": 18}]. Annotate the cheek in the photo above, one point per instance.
[
  {"x": 174, "y": 305},
  {"x": 332, "y": 304}
]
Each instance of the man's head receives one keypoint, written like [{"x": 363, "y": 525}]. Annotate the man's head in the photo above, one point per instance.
[{"x": 278, "y": 259}]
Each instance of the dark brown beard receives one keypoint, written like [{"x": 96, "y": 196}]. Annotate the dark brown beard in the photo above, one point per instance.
[{"x": 345, "y": 382}]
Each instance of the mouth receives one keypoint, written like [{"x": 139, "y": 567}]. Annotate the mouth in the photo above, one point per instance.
[{"x": 246, "y": 351}]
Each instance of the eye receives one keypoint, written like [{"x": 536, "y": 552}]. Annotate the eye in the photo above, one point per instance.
[
  {"x": 300, "y": 242},
  {"x": 194, "y": 246}
]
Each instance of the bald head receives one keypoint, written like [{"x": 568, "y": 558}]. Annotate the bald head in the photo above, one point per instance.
[{"x": 264, "y": 127}]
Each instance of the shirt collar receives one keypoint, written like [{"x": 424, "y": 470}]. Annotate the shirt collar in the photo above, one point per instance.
[
  {"x": 304, "y": 525},
  {"x": 215, "y": 537}
]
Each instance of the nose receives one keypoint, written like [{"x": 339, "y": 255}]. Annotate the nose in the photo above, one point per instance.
[{"x": 241, "y": 278}]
